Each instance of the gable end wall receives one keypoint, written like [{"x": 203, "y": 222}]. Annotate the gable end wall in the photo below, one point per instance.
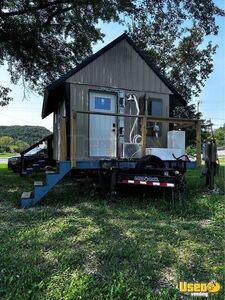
[{"x": 120, "y": 68}]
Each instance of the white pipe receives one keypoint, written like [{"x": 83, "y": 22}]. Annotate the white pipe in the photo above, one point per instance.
[{"x": 135, "y": 122}]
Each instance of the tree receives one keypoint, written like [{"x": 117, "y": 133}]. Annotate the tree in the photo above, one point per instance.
[
  {"x": 42, "y": 39},
  {"x": 4, "y": 96},
  {"x": 172, "y": 32},
  {"x": 219, "y": 135},
  {"x": 6, "y": 143},
  {"x": 27, "y": 134},
  {"x": 9, "y": 144},
  {"x": 19, "y": 146}
]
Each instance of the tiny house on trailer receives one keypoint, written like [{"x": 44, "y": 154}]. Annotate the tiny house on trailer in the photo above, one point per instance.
[
  {"x": 104, "y": 83},
  {"x": 108, "y": 111}
]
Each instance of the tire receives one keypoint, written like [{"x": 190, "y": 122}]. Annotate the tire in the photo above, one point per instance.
[{"x": 149, "y": 162}]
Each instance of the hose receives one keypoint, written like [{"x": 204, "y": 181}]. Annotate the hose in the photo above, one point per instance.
[
  {"x": 135, "y": 122},
  {"x": 136, "y": 137}
]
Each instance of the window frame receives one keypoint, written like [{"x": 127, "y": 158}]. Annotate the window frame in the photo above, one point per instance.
[{"x": 149, "y": 103}]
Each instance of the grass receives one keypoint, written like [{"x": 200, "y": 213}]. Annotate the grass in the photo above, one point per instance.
[
  {"x": 222, "y": 160},
  {"x": 78, "y": 245},
  {"x": 7, "y": 155}
]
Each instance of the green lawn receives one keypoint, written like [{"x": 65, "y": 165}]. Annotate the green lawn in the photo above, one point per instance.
[
  {"x": 7, "y": 155},
  {"x": 222, "y": 160},
  {"x": 78, "y": 245}
]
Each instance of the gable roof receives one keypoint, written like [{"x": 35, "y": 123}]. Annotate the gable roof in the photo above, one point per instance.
[{"x": 48, "y": 100}]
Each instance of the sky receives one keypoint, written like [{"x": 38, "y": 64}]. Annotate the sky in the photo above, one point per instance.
[{"x": 212, "y": 99}]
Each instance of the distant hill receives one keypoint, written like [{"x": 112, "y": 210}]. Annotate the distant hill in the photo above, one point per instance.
[{"x": 28, "y": 134}]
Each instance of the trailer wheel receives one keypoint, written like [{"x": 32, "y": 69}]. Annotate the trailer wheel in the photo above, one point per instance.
[{"x": 149, "y": 162}]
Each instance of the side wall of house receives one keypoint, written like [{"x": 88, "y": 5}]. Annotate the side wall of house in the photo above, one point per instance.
[
  {"x": 118, "y": 69},
  {"x": 58, "y": 114}
]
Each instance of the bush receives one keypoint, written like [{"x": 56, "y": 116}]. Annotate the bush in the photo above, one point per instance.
[{"x": 191, "y": 150}]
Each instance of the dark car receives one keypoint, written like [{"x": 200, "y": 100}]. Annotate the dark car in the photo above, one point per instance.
[{"x": 35, "y": 158}]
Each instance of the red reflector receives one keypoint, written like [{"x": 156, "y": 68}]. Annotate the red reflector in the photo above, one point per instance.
[{"x": 150, "y": 183}]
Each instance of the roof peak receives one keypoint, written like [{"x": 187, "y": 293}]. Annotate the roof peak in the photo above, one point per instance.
[{"x": 51, "y": 87}]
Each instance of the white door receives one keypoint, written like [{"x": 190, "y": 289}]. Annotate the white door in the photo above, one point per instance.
[{"x": 102, "y": 129}]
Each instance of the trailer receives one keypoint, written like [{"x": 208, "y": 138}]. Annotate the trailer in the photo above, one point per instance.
[
  {"x": 147, "y": 171},
  {"x": 162, "y": 168}
]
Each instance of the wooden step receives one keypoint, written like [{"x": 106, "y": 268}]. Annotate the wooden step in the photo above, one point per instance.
[
  {"x": 29, "y": 169},
  {"x": 50, "y": 172},
  {"x": 49, "y": 168},
  {"x": 26, "y": 195},
  {"x": 24, "y": 173},
  {"x": 38, "y": 183}
]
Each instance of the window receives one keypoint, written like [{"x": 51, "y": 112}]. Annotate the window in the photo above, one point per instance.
[
  {"x": 102, "y": 103},
  {"x": 154, "y": 107}
]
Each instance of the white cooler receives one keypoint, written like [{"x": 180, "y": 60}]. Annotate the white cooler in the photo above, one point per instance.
[{"x": 176, "y": 139}]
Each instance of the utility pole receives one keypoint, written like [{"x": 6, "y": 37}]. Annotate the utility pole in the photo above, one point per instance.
[{"x": 198, "y": 105}]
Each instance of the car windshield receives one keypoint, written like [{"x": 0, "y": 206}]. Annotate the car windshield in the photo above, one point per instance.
[{"x": 33, "y": 151}]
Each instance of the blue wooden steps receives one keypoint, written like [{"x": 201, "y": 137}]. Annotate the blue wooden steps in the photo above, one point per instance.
[{"x": 41, "y": 188}]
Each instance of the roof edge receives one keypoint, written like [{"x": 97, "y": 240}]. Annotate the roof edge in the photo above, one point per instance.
[
  {"x": 86, "y": 61},
  {"x": 94, "y": 56}
]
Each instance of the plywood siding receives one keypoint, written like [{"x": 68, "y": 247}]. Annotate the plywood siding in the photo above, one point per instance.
[
  {"x": 119, "y": 69},
  {"x": 61, "y": 112},
  {"x": 80, "y": 101}
]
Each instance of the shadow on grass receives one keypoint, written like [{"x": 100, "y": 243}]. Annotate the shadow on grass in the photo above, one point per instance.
[
  {"x": 89, "y": 240},
  {"x": 91, "y": 247},
  {"x": 101, "y": 241}
]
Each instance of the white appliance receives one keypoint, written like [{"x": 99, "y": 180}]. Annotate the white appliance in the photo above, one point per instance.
[
  {"x": 176, "y": 139},
  {"x": 165, "y": 153}
]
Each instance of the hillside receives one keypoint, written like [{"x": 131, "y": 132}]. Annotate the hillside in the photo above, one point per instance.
[{"x": 27, "y": 134}]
